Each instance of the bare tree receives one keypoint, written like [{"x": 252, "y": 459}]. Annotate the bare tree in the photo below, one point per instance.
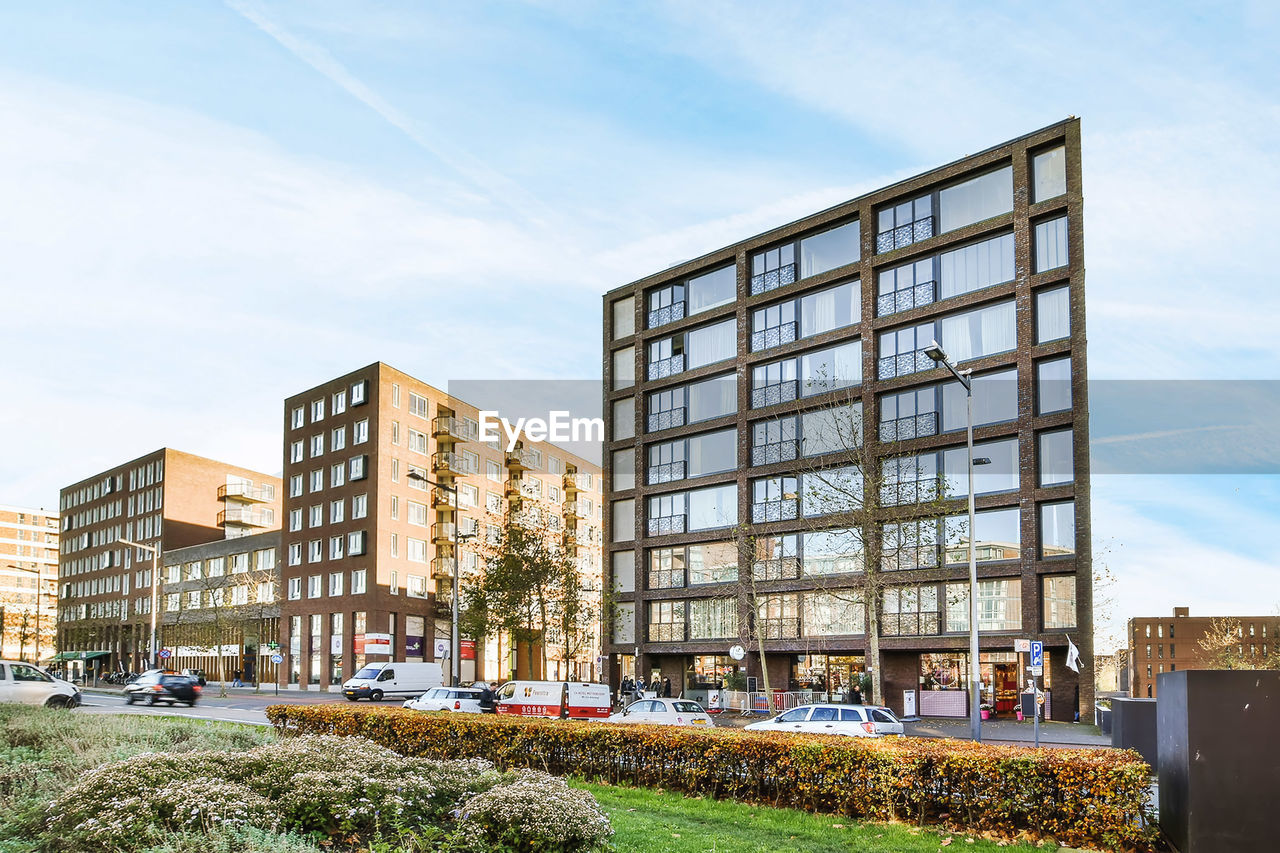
[{"x": 1224, "y": 647}]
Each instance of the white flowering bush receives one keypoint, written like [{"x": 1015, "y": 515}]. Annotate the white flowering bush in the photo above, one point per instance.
[
  {"x": 532, "y": 812},
  {"x": 208, "y": 804}
]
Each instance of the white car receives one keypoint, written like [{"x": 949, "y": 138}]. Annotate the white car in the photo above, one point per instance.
[
  {"x": 848, "y": 720},
  {"x": 664, "y": 712},
  {"x": 29, "y": 685},
  {"x": 465, "y": 700}
]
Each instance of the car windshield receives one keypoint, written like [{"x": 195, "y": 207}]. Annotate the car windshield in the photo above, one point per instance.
[
  {"x": 369, "y": 672},
  {"x": 687, "y": 707},
  {"x": 883, "y": 715}
]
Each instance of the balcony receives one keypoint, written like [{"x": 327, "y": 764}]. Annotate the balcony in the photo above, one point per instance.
[
  {"x": 577, "y": 482},
  {"x": 527, "y": 518},
  {"x": 664, "y": 367},
  {"x": 775, "y": 452},
  {"x": 522, "y": 459},
  {"x": 773, "y": 279},
  {"x": 786, "y": 628},
  {"x": 774, "y": 336},
  {"x": 456, "y": 429},
  {"x": 442, "y": 569},
  {"x": 665, "y": 525},
  {"x": 669, "y": 419},
  {"x": 248, "y": 492},
  {"x": 666, "y": 314},
  {"x": 448, "y": 462},
  {"x": 782, "y": 569},
  {"x": 772, "y": 395},
  {"x": 574, "y": 509},
  {"x": 442, "y": 532},
  {"x": 443, "y": 499},
  {"x": 904, "y": 235},
  {"x": 924, "y": 293},
  {"x": 912, "y": 426},
  {"x": 666, "y": 632},
  {"x": 666, "y": 473},
  {"x": 513, "y": 489},
  {"x": 247, "y": 517},
  {"x": 783, "y": 510}
]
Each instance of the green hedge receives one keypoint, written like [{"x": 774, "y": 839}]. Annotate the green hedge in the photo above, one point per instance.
[{"x": 1076, "y": 796}]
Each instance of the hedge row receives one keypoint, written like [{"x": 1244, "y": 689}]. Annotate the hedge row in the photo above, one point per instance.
[{"x": 1079, "y": 797}]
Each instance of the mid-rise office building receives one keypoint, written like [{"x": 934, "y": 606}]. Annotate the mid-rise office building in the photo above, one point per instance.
[
  {"x": 727, "y": 376},
  {"x": 1160, "y": 644},
  {"x": 164, "y": 500},
  {"x": 28, "y": 582},
  {"x": 370, "y": 527}
]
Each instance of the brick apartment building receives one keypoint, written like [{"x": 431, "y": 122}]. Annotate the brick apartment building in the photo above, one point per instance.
[
  {"x": 166, "y": 500},
  {"x": 1168, "y": 644},
  {"x": 368, "y": 545},
  {"x": 28, "y": 582},
  {"x": 717, "y": 369}
]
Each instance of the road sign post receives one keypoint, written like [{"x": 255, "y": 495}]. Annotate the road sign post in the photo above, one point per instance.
[{"x": 277, "y": 659}]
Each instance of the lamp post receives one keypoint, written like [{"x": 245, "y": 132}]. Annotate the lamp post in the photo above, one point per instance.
[
  {"x": 965, "y": 377},
  {"x": 155, "y": 590},
  {"x": 455, "y": 653},
  {"x": 39, "y": 592}
]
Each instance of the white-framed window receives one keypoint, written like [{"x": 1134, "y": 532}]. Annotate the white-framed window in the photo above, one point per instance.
[
  {"x": 360, "y": 431},
  {"x": 395, "y": 432},
  {"x": 337, "y": 510},
  {"x": 317, "y": 410},
  {"x": 417, "y": 405},
  {"x": 239, "y": 595},
  {"x": 239, "y": 563},
  {"x": 470, "y": 462},
  {"x": 316, "y": 515},
  {"x": 295, "y": 520},
  {"x": 357, "y": 542},
  {"x": 358, "y": 464},
  {"x": 395, "y": 544},
  {"x": 338, "y": 439},
  {"x": 193, "y": 599},
  {"x": 395, "y": 470},
  {"x": 295, "y": 485},
  {"x": 295, "y": 554},
  {"x": 315, "y": 551},
  {"x": 313, "y": 586},
  {"x": 317, "y": 445},
  {"x": 555, "y": 465},
  {"x": 493, "y": 502},
  {"x": 335, "y": 547},
  {"x": 417, "y": 513},
  {"x": 360, "y": 392},
  {"x": 493, "y": 470},
  {"x": 417, "y": 550},
  {"x": 295, "y": 452},
  {"x": 359, "y": 506},
  {"x": 297, "y": 419},
  {"x": 358, "y": 579},
  {"x": 339, "y": 402},
  {"x": 417, "y": 586},
  {"x": 395, "y": 395},
  {"x": 417, "y": 441},
  {"x": 337, "y": 475},
  {"x": 335, "y": 584},
  {"x": 264, "y": 559},
  {"x": 468, "y": 496},
  {"x": 393, "y": 586},
  {"x": 317, "y": 479}
]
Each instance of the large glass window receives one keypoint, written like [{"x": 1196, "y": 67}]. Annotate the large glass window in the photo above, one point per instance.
[
  {"x": 831, "y": 430},
  {"x": 904, "y": 223},
  {"x": 711, "y": 344},
  {"x": 624, "y": 368},
  {"x": 832, "y": 490},
  {"x": 995, "y": 400},
  {"x": 999, "y": 605},
  {"x": 1053, "y": 315},
  {"x": 1056, "y": 463},
  {"x": 829, "y": 249},
  {"x": 833, "y": 614},
  {"x": 998, "y": 538},
  {"x": 831, "y": 552},
  {"x": 830, "y": 308},
  {"x": 776, "y": 616},
  {"x": 624, "y": 418},
  {"x": 984, "y": 331},
  {"x": 1053, "y": 385},
  {"x": 624, "y": 469},
  {"x": 1051, "y": 244},
  {"x": 909, "y": 611},
  {"x": 666, "y": 621},
  {"x": 1000, "y": 475},
  {"x": 666, "y": 568},
  {"x": 1049, "y": 174},
  {"x": 713, "y": 618},
  {"x": 907, "y": 545},
  {"x": 624, "y": 317},
  {"x": 1059, "y": 600},
  {"x": 624, "y": 520},
  {"x": 712, "y": 562},
  {"x": 713, "y": 452},
  {"x": 976, "y": 266},
  {"x": 832, "y": 368},
  {"x": 1057, "y": 530},
  {"x": 713, "y": 507},
  {"x": 975, "y": 200},
  {"x": 713, "y": 398},
  {"x": 712, "y": 289}
]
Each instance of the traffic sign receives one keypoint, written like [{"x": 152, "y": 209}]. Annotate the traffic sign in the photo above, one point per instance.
[
  {"x": 1037, "y": 653},
  {"x": 277, "y": 658},
  {"x": 1023, "y": 646},
  {"x": 1037, "y": 670},
  {"x": 165, "y": 654}
]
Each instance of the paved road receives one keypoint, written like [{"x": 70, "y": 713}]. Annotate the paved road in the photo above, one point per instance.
[{"x": 239, "y": 706}]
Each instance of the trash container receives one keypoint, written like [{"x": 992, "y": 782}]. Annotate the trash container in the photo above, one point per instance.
[{"x": 1102, "y": 718}]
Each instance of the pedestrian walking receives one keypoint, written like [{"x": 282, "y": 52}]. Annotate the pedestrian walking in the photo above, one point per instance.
[
  {"x": 487, "y": 695},
  {"x": 855, "y": 695},
  {"x": 666, "y": 688}
]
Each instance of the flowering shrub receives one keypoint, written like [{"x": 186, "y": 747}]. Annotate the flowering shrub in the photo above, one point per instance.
[
  {"x": 323, "y": 786},
  {"x": 1077, "y": 796}
]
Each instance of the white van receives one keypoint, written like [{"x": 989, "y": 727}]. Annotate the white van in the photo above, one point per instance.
[
  {"x": 400, "y": 680},
  {"x": 29, "y": 685},
  {"x": 578, "y": 700}
]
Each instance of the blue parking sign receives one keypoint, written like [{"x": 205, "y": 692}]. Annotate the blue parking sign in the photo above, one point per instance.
[{"x": 1037, "y": 653}]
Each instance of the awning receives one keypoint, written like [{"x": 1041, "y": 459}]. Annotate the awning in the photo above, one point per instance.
[{"x": 79, "y": 655}]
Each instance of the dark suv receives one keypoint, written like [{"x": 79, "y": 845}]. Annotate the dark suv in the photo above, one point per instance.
[{"x": 168, "y": 687}]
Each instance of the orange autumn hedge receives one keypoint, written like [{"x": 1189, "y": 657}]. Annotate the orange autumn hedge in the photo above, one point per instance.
[{"x": 1089, "y": 797}]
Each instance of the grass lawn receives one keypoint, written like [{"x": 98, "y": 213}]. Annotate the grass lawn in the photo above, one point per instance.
[{"x": 648, "y": 821}]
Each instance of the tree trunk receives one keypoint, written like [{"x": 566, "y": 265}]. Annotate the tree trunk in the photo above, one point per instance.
[{"x": 873, "y": 648}]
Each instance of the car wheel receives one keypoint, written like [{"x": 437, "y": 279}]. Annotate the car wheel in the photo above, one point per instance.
[
  {"x": 57, "y": 702},
  {"x": 191, "y": 704},
  {"x": 375, "y": 696},
  {"x": 128, "y": 700},
  {"x": 151, "y": 700}
]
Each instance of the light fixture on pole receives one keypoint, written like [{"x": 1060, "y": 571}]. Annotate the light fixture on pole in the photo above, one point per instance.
[
  {"x": 455, "y": 652},
  {"x": 39, "y": 592},
  {"x": 155, "y": 591},
  {"x": 935, "y": 352}
]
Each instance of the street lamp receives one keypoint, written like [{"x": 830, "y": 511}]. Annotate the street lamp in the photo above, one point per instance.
[
  {"x": 39, "y": 592},
  {"x": 935, "y": 352},
  {"x": 155, "y": 590},
  {"x": 455, "y": 652}
]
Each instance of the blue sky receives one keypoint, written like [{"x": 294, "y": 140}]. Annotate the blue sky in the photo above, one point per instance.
[{"x": 210, "y": 206}]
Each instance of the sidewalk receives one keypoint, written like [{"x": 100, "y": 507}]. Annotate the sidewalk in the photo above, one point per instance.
[{"x": 1012, "y": 731}]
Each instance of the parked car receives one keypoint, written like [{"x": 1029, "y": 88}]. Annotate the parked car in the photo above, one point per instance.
[
  {"x": 393, "y": 680},
  {"x": 849, "y": 720},
  {"x": 162, "y": 686},
  {"x": 564, "y": 699},
  {"x": 29, "y": 685},
  {"x": 465, "y": 700},
  {"x": 663, "y": 712}
]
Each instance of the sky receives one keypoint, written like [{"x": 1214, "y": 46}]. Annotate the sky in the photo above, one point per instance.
[{"x": 209, "y": 207}]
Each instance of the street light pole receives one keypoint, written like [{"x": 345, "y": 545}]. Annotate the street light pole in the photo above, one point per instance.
[
  {"x": 39, "y": 592},
  {"x": 455, "y": 653},
  {"x": 155, "y": 591},
  {"x": 935, "y": 352}
]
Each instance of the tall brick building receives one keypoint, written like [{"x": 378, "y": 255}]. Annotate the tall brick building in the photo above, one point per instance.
[
  {"x": 28, "y": 582},
  {"x": 1159, "y": 644},
  {"x": 721, "y": 372}
]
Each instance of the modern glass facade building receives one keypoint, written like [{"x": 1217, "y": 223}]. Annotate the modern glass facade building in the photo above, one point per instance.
[{"x": 785, "y": 467}]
